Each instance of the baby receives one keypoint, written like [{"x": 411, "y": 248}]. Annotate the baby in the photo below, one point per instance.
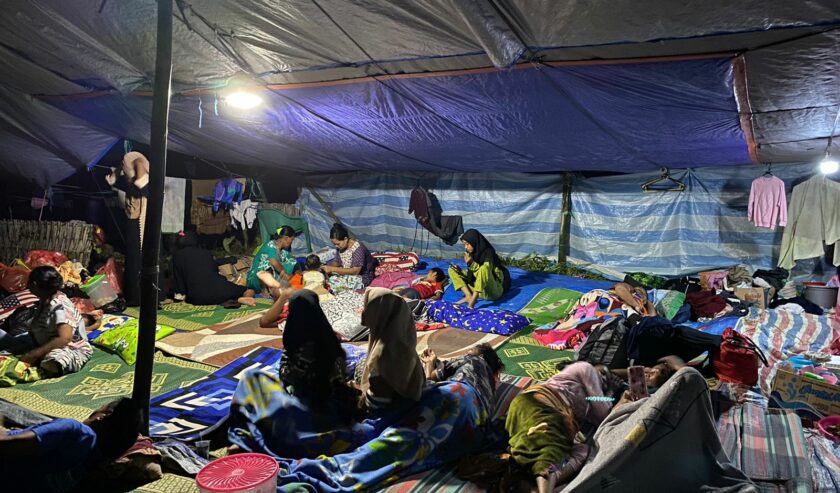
[
  {"x": 428, "y": 287},
  {"x": 313, "y": 277}
]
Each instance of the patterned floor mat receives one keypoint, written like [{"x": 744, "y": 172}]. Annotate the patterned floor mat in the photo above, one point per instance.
[
  {"x": 196, "y": 317},
  {"x": 522, "y": 354},
  {"x": 219, "y": 344},
  {"x": 104, "y": 378}
]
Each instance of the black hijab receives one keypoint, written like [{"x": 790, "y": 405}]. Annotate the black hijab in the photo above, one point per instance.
[
  {"x": 484, "y": 252},
  {"x": 313, "y": 360}
]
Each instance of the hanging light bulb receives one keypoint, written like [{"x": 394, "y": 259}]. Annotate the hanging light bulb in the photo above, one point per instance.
[
  {"x": 243, "y": 100},
  {"x": 829, "y": 166}
]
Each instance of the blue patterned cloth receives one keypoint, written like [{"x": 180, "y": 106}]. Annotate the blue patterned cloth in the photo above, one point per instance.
[
  {"x": 501, "y": 322},
  {"x": 448, "y": 423}
]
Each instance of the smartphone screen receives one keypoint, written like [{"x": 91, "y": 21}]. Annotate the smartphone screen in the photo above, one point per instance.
[{"x": 636, "y": 381}]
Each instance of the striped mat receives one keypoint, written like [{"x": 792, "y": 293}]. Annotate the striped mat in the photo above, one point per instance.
[{"x": 768, "y": 445}]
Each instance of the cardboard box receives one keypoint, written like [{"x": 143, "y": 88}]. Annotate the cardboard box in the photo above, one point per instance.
[
  {"x": 757, "y": 296},
  {"x": 808, "y": 397}
]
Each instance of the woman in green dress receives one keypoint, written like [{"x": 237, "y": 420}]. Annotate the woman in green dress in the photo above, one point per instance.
[
  {"x": 486, "y": 276},
  {"x": 274, "y": 263}
]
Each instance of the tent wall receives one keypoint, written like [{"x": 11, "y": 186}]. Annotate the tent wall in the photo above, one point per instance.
[
  {"x": 615, "y": 226},
  {"x": 519, "y": 212}
]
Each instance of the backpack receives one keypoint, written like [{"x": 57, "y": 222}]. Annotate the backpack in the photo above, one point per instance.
[{"x": 605, "y": 345}]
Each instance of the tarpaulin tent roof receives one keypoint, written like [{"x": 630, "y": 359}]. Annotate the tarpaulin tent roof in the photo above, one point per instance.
[{"x": 433, "y": 85}]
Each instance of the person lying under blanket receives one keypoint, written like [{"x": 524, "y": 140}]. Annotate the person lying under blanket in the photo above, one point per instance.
[
  {"x": 56, "y": 341},
  {"x": 480, "y": 368},
  {"x": 54, "y": 456},
  {"x": 545, "y": 418}
]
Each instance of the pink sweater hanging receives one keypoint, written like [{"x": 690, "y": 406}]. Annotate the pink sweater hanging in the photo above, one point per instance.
[{"x": 768, "y": 205}]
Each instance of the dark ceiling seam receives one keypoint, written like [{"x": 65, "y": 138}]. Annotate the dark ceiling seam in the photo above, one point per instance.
[{"x": 416, "y": 101}]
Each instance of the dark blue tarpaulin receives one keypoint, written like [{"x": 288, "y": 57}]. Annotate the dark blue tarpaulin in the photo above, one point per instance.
[{"x": 540, "y": 118}]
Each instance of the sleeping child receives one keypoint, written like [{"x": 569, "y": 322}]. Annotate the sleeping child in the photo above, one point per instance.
[{"x": 427, "y": 287}]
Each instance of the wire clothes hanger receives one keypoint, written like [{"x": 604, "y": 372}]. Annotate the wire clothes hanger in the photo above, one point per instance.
[{"x": 664, "y": 178}]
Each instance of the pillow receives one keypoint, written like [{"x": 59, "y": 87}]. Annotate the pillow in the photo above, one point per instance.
[
  {"x": 119, "y": 334},
  {"x": 501, "y": 322}
]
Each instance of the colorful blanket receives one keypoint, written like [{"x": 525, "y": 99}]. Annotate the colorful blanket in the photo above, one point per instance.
[
  {"x": 191, "y": 411},
  {"x": 444, "y": 426},
  {"x": 597, "y": 304},
  {"x": 501, "y": 322},
  {"x": 768, "y": 445},
  {"x": 104, "y": 378},
  {"x": 188, "y": 317},
  {"x": 522, "y": 354},
  {"x": 781, "y": 334}
]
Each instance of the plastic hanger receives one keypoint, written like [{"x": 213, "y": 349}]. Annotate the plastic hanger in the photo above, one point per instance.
[
  {"x": 664, "y": 177},
  {"x": 767, "y": 172}
]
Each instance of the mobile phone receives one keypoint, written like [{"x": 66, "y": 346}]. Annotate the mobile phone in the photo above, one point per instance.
[
  {"x": 456, "y": 267},
  {"x": 636, "y": 381}
]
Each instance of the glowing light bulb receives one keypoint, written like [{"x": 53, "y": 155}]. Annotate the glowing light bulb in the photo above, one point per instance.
[
  {"x": 829, "y": 166},
  {"x": 243, "y": 100}
]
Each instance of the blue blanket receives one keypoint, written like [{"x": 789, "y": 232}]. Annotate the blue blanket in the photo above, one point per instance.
[
  {"x": 524, "y": 285},
  {"x": 194, "y": 411},
  {"x": 448, "y": 423}
]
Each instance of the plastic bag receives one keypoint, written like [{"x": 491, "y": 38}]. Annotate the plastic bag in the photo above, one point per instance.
[
  {"x": 12, "y": 279},
  {"x": 113, "y": 273},
  {"x": 19, "y": 321},
  {"x": 39, "y": 258}
]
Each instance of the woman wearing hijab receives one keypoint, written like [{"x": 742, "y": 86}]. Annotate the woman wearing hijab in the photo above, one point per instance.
[
  {"x": 306, "y": 409},
  {"x": 196, "y": 275},
  {"x": 486, "y": 275},
  {"x": 393, "y": 371},
  {"x": 131, "y": 181}
]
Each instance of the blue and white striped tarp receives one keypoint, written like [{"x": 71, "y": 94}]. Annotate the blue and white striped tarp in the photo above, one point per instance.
[
  {"x": 618, "y": 228},
  {"x": 520, "y": 213},
  {"x": 615, "y": 227}
]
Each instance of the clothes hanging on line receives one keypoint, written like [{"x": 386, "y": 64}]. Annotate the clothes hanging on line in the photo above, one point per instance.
[
  {"x": 427, "y": 210},
  {"x": 226, "y": 192},
  {"x": 768, "y": 204},
  {"x": 813, "y": 222},
  {"x": 243, "y": 214}
]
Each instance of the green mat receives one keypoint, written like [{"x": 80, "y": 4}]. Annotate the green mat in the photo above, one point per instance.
[
  {"x": 195, "y": 317},
  {"x": 522, "y": 354},
  {"x": 104, "y": 378}
]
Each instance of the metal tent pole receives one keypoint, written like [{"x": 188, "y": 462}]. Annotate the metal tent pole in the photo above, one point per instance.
[{"x": 151, "y": 242}]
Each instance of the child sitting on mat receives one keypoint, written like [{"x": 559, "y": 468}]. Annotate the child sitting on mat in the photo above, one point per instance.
[
  {"x": 314, "y": 278},
  {"x": 427, "y": 287},
  {"x": 480, "y": 368}
]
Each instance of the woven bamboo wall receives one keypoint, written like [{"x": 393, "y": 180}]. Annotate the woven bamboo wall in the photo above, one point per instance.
[{"x": 73, "y": 238}]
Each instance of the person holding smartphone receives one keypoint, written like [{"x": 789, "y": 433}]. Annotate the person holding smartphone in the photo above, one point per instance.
[{"x": 485, "y": 277}]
